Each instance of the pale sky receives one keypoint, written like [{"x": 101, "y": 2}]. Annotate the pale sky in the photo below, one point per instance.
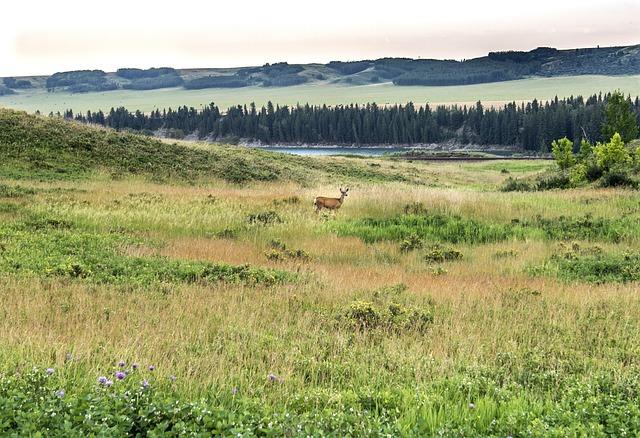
[{"x": 42, "y": 37}]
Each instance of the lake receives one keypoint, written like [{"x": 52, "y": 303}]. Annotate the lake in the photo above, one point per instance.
[{"x": 362, "y": 151}]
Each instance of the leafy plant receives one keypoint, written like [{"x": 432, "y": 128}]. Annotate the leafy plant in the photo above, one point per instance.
[
  {"x": 562, "y": 151},
  {"x": 264, "y": 218},
  {"x": 438, "y": 253}
]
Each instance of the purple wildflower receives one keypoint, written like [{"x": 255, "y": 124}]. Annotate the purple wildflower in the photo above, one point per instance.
[
  {"x": 273, "y": 378},
  {"x": 172, "y": 378},
  {"x": 120, "y": 375},
  {"x": 102, "y": 380},
  {"x": 108, "y": 383},
  {"x": 49, "y": 371},
  {"x": 145, "y": 384},
  {"x": 134, "y": 366},
  {"x": 121, "y": 364},
  {"x": 60, "y": 393},
  {"x": 151, "y": 368},
  {"x": 234, "y": 390}
]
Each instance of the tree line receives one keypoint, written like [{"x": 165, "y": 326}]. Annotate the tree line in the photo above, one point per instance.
[{"x": 531, "y": 126}]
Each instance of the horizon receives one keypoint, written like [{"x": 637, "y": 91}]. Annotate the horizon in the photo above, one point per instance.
[
  {"x": 186, "y": 68},
  {"x": 194, "y": 36}
]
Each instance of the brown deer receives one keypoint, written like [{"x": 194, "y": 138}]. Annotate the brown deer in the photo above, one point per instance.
[{"x": 330, "y": 203}]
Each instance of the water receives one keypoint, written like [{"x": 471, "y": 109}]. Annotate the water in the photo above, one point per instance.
[
  {"x": 363, "y": 151},
  {"x": 328, "y": 150}
]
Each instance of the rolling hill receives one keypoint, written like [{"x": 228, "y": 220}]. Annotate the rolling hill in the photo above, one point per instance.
[{"x": 495, "y": 67}]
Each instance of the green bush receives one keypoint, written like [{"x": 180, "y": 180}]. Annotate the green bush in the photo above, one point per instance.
[
  {"x": 557, "y": 180},
  {"x": 365, "y": 315},
  {"x": 562, "y": 151},
  {"x": 438, "y": 254},
  {"x": 618, "y": 178},
  {"x": 264, "y": 218},
  {"x": 279, "y": 252},
  {"x": 612, "y": 155},
  {"x": 610, "y": 164},
  {"x": 512, "y": 184},
  {"x": 410, "y": 243}
]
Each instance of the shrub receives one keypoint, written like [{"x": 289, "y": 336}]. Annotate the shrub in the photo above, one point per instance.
[
  {"x": 264, "y": 218},
  {"x": 279, "y": 251},
  {"x": 562, "y": 151},
  {"x": 439, "y": 253},
  {"x": 512, "y": 184},
  {"x": 618, "y": 177},
  {"x": 612, "y": 154},
  {"x": 578, "y": 174},
  {"x": 365, "y": 315},
  {"x": 291, "y": 200},
  {"x": 410, "y": 243},
  {"x": 549, "y": 181},
  {"x": 505, "y": 253},
  {"x": 227, "y": 233},
  {"x": 592, "y": 170},
  {"x": 416, "y": 208}
]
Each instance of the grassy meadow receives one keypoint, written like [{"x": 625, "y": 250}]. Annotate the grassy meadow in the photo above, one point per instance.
[
  {"x": 431, "y": 304},
  {"x": 497, "y": 93}
]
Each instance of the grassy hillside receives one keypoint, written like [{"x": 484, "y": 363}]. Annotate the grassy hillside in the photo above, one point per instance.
[{"x": 52, "y": 148}]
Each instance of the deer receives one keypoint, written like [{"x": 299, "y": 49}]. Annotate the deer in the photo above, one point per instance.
[{"x": 334, "y": 204}]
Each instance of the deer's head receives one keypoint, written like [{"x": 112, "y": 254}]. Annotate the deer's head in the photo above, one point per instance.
[{"x": 344, "y": 192}]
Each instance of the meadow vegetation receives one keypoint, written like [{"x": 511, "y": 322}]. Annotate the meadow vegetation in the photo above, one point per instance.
[
  {"x": 384, "y": 93},
  {"x": 146, "y": 289}
]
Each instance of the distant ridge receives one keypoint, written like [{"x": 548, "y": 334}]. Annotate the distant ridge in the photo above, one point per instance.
[{"x": 495, "y": 67}]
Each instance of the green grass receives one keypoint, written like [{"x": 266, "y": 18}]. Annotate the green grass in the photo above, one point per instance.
[
  {"x": 591, "y": 264},
  {"x": 45, "y": 247},
  {"x": 500, "y": 92},
  {"x": 457, "y": 229},
  {"x": 50, "y": 148}
]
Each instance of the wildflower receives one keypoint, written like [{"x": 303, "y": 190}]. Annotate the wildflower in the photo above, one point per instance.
[
  {"x": 145, "y": 384},
  {"x": 68, "y": 357},
  {"x": 151, "y": 368},
  {"x": 472, "y": 406},
  {"x": 172, "y": 378},
  {"x": 102, "y": 380},
  {"x": 134, "y": 366},
  {"x": 49, "y": 371},
  {"x": 60, "y": 393},
  {"x": 120, "y": 375},
  {"x": 121, "y": 364},
  {"x": 108, "y": 383},
  {"x": 273, "y": 378},
  {"x": 234, "y": 390}
]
